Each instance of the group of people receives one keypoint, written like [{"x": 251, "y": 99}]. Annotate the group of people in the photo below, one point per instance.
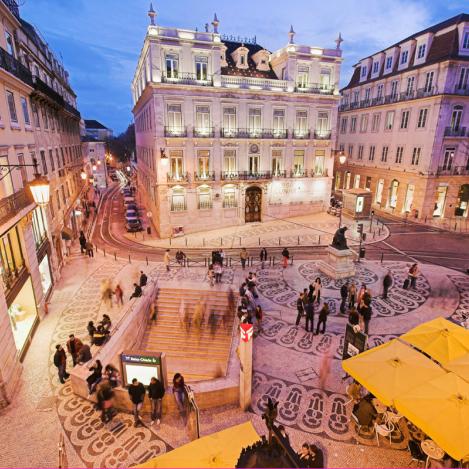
[
  {"x": 249, "y": 311},
  {"x": 86, "y": 246},
  {"x": 358, "y": 303},
  {"x": 99, "y": 333},
  {"x": 138, "y": 287}
]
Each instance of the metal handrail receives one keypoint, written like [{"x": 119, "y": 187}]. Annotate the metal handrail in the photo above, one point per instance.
[{"x": 62, "y": 456}]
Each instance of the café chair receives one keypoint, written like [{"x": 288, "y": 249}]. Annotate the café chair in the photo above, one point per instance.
[
  {"x": 385, "y": 429},
  {"x": 416, "y": 452}
]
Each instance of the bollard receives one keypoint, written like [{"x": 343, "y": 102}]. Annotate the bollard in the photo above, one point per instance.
[
  {"x": 104, "y": 252},
  {"x": 146, "y": 258},
  {"x": 291, "y": 261},
  {"x": 298, "y": 240},
  {"x": 382, "y": 256},
  {"x": 259, "y": 241},
  {"x": 279, "y": 241},
  {"x": 230, "y": 261},
  {"x": 170, "y": 241},
  {"x": 203, "y": 242},
  {"x": 130, "y": 262},
  {"x": 380, "y": 231},
  {"x": 115, "y": 256},
  {"x": 186, "y": 242},
  {"x": 135, "y": 234},
  {"x": 319, "y": 239},
  {"x": 374, "y": 234}
]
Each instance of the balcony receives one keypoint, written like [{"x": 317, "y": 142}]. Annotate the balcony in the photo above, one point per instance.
[
  {"x": 279, "y": 174},
  {"x": 462, "y": 91},
  {"x": 299, "y": 173},
  {"x": 452, "y": 132},
  {"x": 204, "y": 176},
  {"x": 11, "y": 205},
  {"x": 453, "y": 170},
  {"x": 45, "y": 89},
  {"x": 178, "y": 177},
  {"x": 72, "y": 110},
  {"x": 322, "y": 134},
  {"x": 300, "y": 134},
  {"x": 319, "y": 173},
  {"x": 254, "y": 133},
  {"x": 15, "y": 67},
  {"x": 171, "y": 131},
  {"x": 205, "y": 132},
  {"x": 231, "y": 81},
  {"x": 187, "y": 79},
  {"x": 245, "y": 175},
  {"x": 315, "y": 88}
]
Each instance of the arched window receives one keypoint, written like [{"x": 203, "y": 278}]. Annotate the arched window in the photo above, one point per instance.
[
  {"x": 178, "y": 199},
  {"x": 393, "y": 193},
  {"x": 205, "y": 197},
  {"x": 229, "y": 196}
]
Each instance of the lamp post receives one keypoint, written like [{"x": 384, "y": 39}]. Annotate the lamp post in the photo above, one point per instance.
[{"x": 342, "y": 159}]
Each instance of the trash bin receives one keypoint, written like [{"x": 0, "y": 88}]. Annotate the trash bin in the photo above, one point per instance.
[
  {"x": 362, "y": 253},
  {"x": 149, "y": 230}
]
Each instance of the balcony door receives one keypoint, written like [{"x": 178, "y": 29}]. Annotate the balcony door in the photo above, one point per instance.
[
  {"x": 253, "y": 205},
  {"x": 253, "y": 164}
]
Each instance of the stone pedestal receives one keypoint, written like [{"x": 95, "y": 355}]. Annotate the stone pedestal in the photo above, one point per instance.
[{"x": 339, "y": 263}]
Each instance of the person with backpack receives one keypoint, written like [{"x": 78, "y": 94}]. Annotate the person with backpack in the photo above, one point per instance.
[{"x": 155, "y": 393}]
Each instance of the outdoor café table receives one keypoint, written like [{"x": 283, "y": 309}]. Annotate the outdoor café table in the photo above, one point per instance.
[
  {"x": 432, "y": 450},
  {"x": 379, "y": 406}
]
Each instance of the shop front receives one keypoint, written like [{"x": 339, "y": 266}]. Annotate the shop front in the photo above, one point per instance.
[{"x": 45, "y": 272}]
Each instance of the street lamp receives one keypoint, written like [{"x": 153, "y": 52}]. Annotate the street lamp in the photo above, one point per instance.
[
  {"x": 342, "y": 157},
  {"x": 83, "y": 175},
  {"x": 163, "y": 157},
  {"x": 95, "y": 167}
]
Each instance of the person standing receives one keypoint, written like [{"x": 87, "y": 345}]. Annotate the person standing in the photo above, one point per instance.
[
  {"x": 317, "y": 289},
  {"x": 91, "y": 330},
  {"x": 60, "y": 361},
  {"x": 95, "y": 377},
  {"x": 211, "y": 275},
  {"x": 387, "y": 282},
  {"x": 352, "y": 292},
  {"x": 179, "y": 392},
  {"x": 263, "y": 256},
  {"x": 259, "y": 314},
  {"x": 221, "y": 255},
  {"x": 413, "y": 274},
  {"x": 155, "y": 393},
  {"x": 309, "y": 310},
  {"x": 89, "y": 249},
  {"x": 299, "y": 308},
  {"x": 143, "y": 279},
  {"x": 285, "y": 256},
  {"x": 166, "y": 259},
  {"x": 322, "y": 319},
  {"x": 118, "y": 292},
  {"x": 85, "y": 354},
  {"x": 218, "y": 270},
  {"x": 74, "y": 345},
  {"x": 353, "y": 317},
  {"x": 243, "y": 255},
  {"x": 137, "y": 395},
  {"x": 365, "y": 313},
  {"x": 343, "y": 296},
  {"x": 82, "y": 240}
]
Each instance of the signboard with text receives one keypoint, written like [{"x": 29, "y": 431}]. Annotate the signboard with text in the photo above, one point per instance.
[
  {"x": 354, "y": 342},
  {"x": 143, "y": 366}
]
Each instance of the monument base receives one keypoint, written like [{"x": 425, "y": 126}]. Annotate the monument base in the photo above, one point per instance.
[{"x": 339, "y": 263}]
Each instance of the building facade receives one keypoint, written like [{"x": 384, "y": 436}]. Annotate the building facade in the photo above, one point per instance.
[
  {"x": 95, "y": 160},
  {"x": 229, "y": 133},
  {"x": 38, "y": 121},
  {"x": 94, "y": 129},
  {"x": 404, "y": 125}
]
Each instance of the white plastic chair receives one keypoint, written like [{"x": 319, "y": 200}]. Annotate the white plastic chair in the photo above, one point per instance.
[{"x": 384, "y": 429}]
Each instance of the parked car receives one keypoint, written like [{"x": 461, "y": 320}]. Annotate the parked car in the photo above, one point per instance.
[
  {"x": 129, "y": 200},
  {"x": 134, "y": 225},
  {"x": 132, "y": 207},
  {"x": 131, "y": 213}
]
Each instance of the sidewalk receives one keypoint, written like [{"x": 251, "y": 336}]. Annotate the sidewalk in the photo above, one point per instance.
[{"x": 308, "y": 230}]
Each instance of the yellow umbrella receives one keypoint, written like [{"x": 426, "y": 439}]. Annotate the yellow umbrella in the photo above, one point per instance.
[
  {"x": 220, "y": 449},
  {"x": 440, "y": 408},
  {"x": 391, "y": 369},
  {"x": 441, "y": 339},
  {"x": 460, "y": 366}
]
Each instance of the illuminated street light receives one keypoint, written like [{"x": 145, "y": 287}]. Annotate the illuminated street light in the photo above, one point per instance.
[
  {"x": 342, "y": 158},
  {"x": 83, "y": 175}
]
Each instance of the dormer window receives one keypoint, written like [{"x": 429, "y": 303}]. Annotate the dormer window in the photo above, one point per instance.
[
  {"x": 465, "y": 41},
  {"x": 421, "y": 51},
  {"x": 375, "y": 67},
  {"x": 261, "y": 59},
  {"x": 240, "y": 57},
  {"x": 363, "y": 74},
  {"x": 388, "y": 63},
  {"x": 404, "y": 57}
]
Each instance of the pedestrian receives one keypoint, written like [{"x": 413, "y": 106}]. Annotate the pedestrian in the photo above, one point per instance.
[
  {"x": 211, "y": 275},
  {"x": 198, "y": 316},
  {"x": 259, "y": 317},
  {"x": 179, "y": 392},
  {"x": 137, "y": 291},
  {"x": 353, "y": 317},
  {"x": 322, "y": 319},
  {"x": 143, "y": 279},
  {"x": 352, "y": 292},
  {"x": 119, "y": 294},
  {"x": 361, "y": 292},
  {"x": 367, "y": 296},
  {"x": 91, "y": 330},
  {"x": 84, "y": 355},
  {"x": 166, "y": 259},
  {"x": 221, "y": 256},
  {"x": 106, "y": 292},
  {"x": 89, "y": 249},
  {"x": 365, "y": 315},
  {"x": 299, "y": 308},
  {"x": 324, "y": 369},
  {"x": 60, "y": 361},
  {"x": 112, "y": 375},
  {"x": 180, "y": 256},
  {"x": 74, "y": 344},
  {"x": 242, "y": 289},
  {"x": 317, "y": 289},
  {"x": 104, "y": 396},
  {"x": 137, "y": 395},
  {"x": 387, "y": 282},
  {"x": 343, "y": 296},
  {"x": 413, "y": 274},
  {"x": 251, "y": 283},
  {"x": 155, "y": 393},
  {"x": 95, "y": 377},
  {"x": 243, "y": 255},
  {"x": 82, "y": 240},
  {"x": 218, "y": 270},
  {"x": 309, "y": 310},
  {"x": 263, "y": 256},
  {"x": 285, "y": 256}
]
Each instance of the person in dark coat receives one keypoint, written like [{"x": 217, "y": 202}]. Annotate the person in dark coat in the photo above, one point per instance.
[
  {"x": 365, "y": 312},
  {"x": 155, "y": 393},
  {"x": 387, "y": 282},
  {"x": 82, "y": 240},
  {"x": 137, "y": 395},
  {"x": 365, "y": 412},
  {"x": 309, "y": 311},
  {"x": 91, "y": 330},
  {"x": 84, "y": 355},
  {"x": 74, "y": 345},
  {"x": 263, "y": 256},
  {"x": 95, "y": 377},
  {"x": 143, "y": 279},
  {"x": 137, "y": 291},
  {"x": 285, "y": 257},
  {"x": 353, "y": 317},
  {"x": 343, "y": 297},
  {"x": 299, "y": 308},
  {"x": 60, "y": 361},
  {"x": 322, "y": 318}
]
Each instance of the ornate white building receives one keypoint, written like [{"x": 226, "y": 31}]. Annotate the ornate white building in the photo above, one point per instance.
[{"x": 228, "y": 132}]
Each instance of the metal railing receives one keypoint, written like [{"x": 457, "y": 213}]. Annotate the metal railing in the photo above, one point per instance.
[
  {"x": 11, "y": 205},
  {"x": 205, "y": 204},
  {"x": 322, "y": 134},
  {"x": 205, "y": 132},
  {"x": 462, "y": 91},
  {"x": 204, "y": 176},
  {"x": 298, "y": 173},
  {"x": 453, "y": 170},
  {"x": 15, "y": 67},
  {"x": 230, "y": 204},
  {"x": 301, "y": 134},
  {"x": 316, "y": 88},
  {"x": 46, "y": 90},
  {"x": 280, "y": 173},
  {"x": 182, "y": 177},
  {"x": 62, "y": 455},
  {"x": 253, "y": 83},
  {"x": 170, "y": 131},
  {"x": 452, "y": 132},
  {"x": 187, "y": 79},
  {"x": 178, "y": 207}
]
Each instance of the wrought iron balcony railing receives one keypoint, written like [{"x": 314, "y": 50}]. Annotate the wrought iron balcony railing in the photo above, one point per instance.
[
  {"x": 204, "y": 176},
  {"x": 452, "y": 132},
  {"x": 301, "y": 134},
  {"x": 316, "y": 88},
  {"x": 15, "y": 67},
  {"x": 171, "y": 131},
  {"x": 204, "y": 132},
  {"x": 453, "y": 170},
  {"x": 187, "y": 79},
  {"x": 322, "y": 134},
  {"x": 178, "y": 177}
]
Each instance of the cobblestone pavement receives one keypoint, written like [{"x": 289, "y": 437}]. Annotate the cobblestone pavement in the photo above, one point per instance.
[{"x": 286, "y": 364}]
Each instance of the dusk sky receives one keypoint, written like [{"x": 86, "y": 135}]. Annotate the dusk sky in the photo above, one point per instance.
[{"x": 100, "y": 41}]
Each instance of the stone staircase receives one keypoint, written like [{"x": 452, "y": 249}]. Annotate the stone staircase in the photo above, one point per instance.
[{"x": 197, "y": 353}]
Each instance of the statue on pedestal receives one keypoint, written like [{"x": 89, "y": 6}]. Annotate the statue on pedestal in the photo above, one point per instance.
[{"x": 339, "y": 242}]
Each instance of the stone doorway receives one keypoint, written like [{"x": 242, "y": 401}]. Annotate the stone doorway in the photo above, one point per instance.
[{"x": 253, "y": 204}]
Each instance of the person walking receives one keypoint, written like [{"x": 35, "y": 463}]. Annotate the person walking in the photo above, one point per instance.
[
  {"x": 119, "y": 294},
  {"x": 95, "y": 377},
  {"x": 243, "y": 255},
  {"x": 167, "y": 259},
  {"x": 137, "y": 395},
  {"x": 299, "y": 308},
  {"x": 74, "y": 344},
  {"x": 218, "y": 270},
  {"x": 343, "y": 297},
  {"x": 91, "y": 330},
  {"x": 387, "y": 282},
  {"x": 155, "y": 393},
  {"x": 317, "y": 289},
  {"x": 179, "y": 392},
  {"x": 361, "y": 292},
  {"x": 137, "y": 291},
  {"x": 263, "y": 257},
  {"x": 285, "y": 257},
  {"x": 365, "y": 314},
  {"x": 322, "y": 319},
  {"x": 352, "y": 294},
  {"x": 82, "y": 240},
  {"x": 89, "y": 249},
  {"x": 413, "y": 274},
  {"x": 60, "y": 361},
  {"x": 309, "y": 310},
  {"x": 211, "y": 275},
  {"x": 259, "y": 314},
  {"x": 143, "y": 279}
]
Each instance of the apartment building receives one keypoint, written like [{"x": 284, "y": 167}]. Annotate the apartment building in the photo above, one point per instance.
[
  {"x": 94, "y": 129},
  {"x": 228, "y": 132},
  {"x": 38, "y": 122},
  {"x": 404, "y": 124}
]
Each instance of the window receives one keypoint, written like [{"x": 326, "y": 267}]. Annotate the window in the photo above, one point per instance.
[
  {"x": 356, "y": 181},
  {"x": 353, "y": 124},
  {"x": 229, "y": 161},
  {"x": 23, "y": 171},
  {"x": 12, "y": 106},
  {"x": 7, "y": 180},
  {"x": 399, "y": 153},
  {"x": 11, "y": 257},
  {"x": 202, "y": 120},
  {"x": 379, "y": 91},
  {"x": 62, "y": 191},
  {"x": 205, "y": 197},
  {"x": 409, "y": 198},
  {"x": 389, "y": 120},
  {"x": 178, "y": 199},
  {"x": 348, "y": 175},
  {"x": 384, "y": 154},
  {"x": 45, "y": 118},
  {"x": 63, "y": 157},
  {"x": 428, "y": 82},
  {"x": 363, "y": 71},
  {"x": 201, "y": 68},
  {"x": 253, "y": 164},
  {"x": 448, "y": 158},
  {"x": 255, "y": 121},
  {"x": 456, "y": 117},
  {"x": 421, "y": 51},
  {"x": 175, "y": 118},
  {"x": 404, "y": 56},
  {"x": 298, "y": 162},
  {"x": 350, "y": 151},
  {"x": 9, "y": 42},
  {"x": 405, "y": 119},
  {"x": 367, "y": 94},
  {"x": 368, "y": 183},
  {"x": 301, "y": 123},
  {"x": 343, "y": 125},
  {"x": 379, "y": 191},
  {"x": 393, "y": 193},
  {"x": 24, "y": 105},
  {"x": 172, "y": 65},
  {"x": 360, "y": 152},
  {"x": 229, "y": 196},
  {"x": 325, "y": 78},
  {"x": 375, "y": 122},
  {"x": 465, "y": 41},
  {"x": 410, "y": 86},
  {"x": 43, "y": 162},
  {"x": 375, "y": 67},
  {"x": 319, "y": 160},
  {"x": 303, "y": 76},
  {"x": 35, "y": 115},
  {"x": 229, "y": 121},
  {"x": 364, "y": 123},
  {"x": 203, "y": 164},
  {"x": 39, "y": 225},
  {"x": 356, "y": 96},
  {"x": 371, "y": 154},
  {"x": 176, "y": 164},
  {"x": 415, "y": 156},
  {"x": 51, "y": 159},
  {"x": 242, "y": 59},
  {"x": 57, "y": 198},
  {"x": 422, "y": 120},
  {"x": 322, "y": 125},
  {"x": 394, "y": 87},
  {"x": 388, "y": 63},
  {"x": 279, "y": 122},
  {"x": 463, "y": 82},
  {"x": 277, "y": 162}
]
